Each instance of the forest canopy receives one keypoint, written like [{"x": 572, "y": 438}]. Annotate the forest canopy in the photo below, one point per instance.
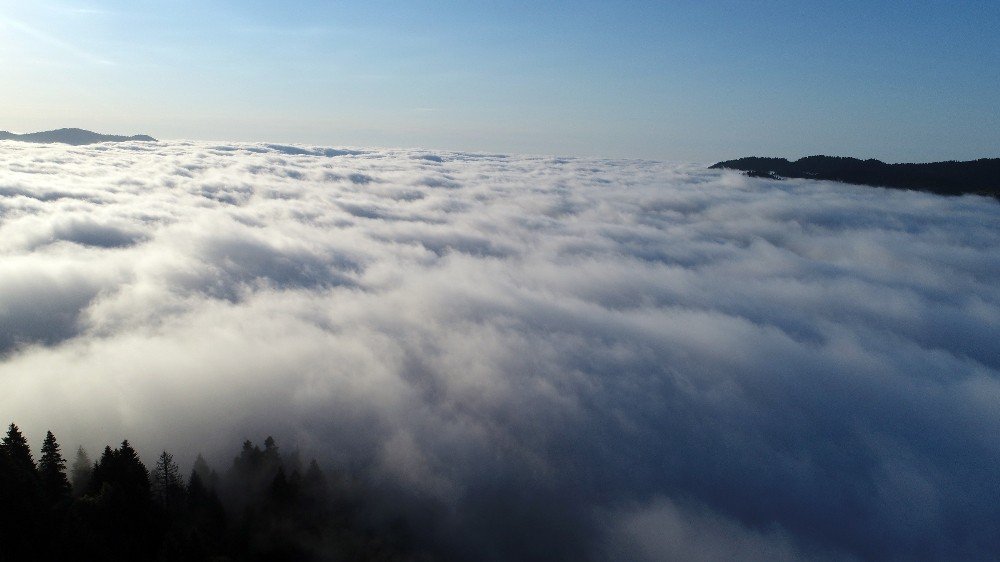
[
  {"x": 945, "y": 178},
  {"x": 265, "y": 506}
]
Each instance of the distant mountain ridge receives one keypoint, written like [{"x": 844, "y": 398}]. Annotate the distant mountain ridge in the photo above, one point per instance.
[
  {"x": 72, "y": 136},
  {"x": 981, "y": 177}
]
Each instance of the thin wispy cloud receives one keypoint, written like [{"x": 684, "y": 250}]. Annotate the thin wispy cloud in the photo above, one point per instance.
[
  {"x": 294, "y": 32},
  {"x": 89, "y": 11},
  {"x": 32, "y": 32}
]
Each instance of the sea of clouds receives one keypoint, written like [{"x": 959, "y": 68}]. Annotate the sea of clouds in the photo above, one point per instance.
[{"x": 529, "y": 358}]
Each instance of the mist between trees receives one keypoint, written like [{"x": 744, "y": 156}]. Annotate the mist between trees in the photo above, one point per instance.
[{"x": 265, "y": 506}]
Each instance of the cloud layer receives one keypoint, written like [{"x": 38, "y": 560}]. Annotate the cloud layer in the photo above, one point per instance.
[{"x": 530, "y": 357}]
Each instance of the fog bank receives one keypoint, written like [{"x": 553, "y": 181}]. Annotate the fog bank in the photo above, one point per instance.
[{"x": 531, "y": 357}]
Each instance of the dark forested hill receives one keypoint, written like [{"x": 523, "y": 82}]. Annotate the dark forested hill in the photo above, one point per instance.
[
  {"x": 71, "y": 136},
  {"x": 947, "y": 178}
]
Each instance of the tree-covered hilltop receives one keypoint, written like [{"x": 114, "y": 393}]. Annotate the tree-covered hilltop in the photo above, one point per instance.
[
  {"x": 981, "y": 177},
  {"x": 72, "y": 136},
  {"x": 267, "y": 506}
]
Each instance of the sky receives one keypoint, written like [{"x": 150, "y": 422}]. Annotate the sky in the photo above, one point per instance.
[
  {"x": 527, "y": 358},
  {"x": 694, "y": 81}
]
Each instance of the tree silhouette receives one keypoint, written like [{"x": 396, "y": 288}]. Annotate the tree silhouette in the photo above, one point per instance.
[
  {"x": 280, "y": 492},
  {"x": 15, "y": 446},
  {"x": 121, "y": 511},
  {"x": 21, "y": 507},
  {"x": 123, "y": 518},
  {"x": 133, "y": 471},
  {"x": 81, "y": 472},
  {"x": 205, "y": 515},
  {"x": 52, "y": 471},
  {"x": 121, "y": 467},
  {"x": 168, "y": 488},
  {"x": 945, "y": 178}
]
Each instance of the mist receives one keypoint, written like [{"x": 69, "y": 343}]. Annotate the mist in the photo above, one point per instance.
[{"x": 524, "y": 357}]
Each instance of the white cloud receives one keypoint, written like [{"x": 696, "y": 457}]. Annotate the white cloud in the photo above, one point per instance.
[{"x": 525, "y": 343}]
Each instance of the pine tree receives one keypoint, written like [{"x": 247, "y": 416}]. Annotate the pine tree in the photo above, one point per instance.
[
  {"x": 196, "y": 488},
  {"x": 121, "y": 490},
  {"x": 209, "y": 478},
  {"x": 52, "y": 471},
  {"x": 21, "y": 513},
  {"x": 122, "y": 468},
  {"x": 280, "y": 493},
  {"x": 101, "y": 472},
  {"x": 205, "y": 512},
  {"x": 249, "y": 461},
  {"x": 132, "y": 470},
  {"x": 314, "y": 479},
  {"x": 81, "y": 472},
  {"x": 272, "y": 458},
  {"x": 15, "y": 446},
  {"x": 168, "y": 488},
  {"x": 270, "y": 446},
  {"x": 201, "y": 467}
]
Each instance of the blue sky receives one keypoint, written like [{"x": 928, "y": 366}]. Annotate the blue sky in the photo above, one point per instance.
[{"x": 665, "y": 80}]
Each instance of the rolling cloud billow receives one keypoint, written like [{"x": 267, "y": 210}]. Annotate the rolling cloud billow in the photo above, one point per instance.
[{"x": 527, "y": 358}]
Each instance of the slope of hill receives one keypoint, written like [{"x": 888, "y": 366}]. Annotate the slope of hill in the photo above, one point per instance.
[
  {"x": 71, "y": 136},
  {"x": 980, "y": 177}
]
